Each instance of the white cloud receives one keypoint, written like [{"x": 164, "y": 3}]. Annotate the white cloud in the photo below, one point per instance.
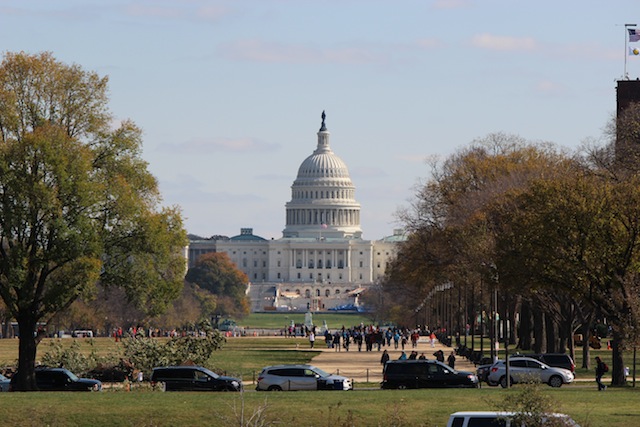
[
  {"x": 271, "y": 52},
  {"x": 209, "y": 145},
  {"x": 429, "y": 43},
  {"x": 451, "y": 4},
  {"x": 549, "y": 87},
  {"x": 503, "y": 43}
]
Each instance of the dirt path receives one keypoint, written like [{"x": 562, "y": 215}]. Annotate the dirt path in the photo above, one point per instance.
[{"x": 364, "y": 366}]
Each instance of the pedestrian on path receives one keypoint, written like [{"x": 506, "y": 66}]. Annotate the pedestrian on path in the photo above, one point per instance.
[
  {"x": 312, "y": 339},
  {"x": 451, "y": 360},
  {"x": 384, "y": 359},
  {"x": 601, "y": 368}
]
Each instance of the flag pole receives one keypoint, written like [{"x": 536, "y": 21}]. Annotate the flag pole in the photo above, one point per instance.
[{"x": 626, "y": 48}]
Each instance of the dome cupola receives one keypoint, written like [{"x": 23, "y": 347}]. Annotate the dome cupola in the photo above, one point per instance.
[{"x": 322, "y": 196}]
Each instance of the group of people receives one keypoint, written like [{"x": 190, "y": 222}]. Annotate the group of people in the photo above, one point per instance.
[
  {"x": 439, "y": 356},
  {"x": 369, "y": 337}
]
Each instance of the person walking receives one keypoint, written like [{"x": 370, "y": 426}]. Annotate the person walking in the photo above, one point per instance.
[
  {"x": 384, "y": 359},
  {"x": 601, "y": 368},
  {"x": 451, "y": 360},
  {"x": 312, "y": 339}
]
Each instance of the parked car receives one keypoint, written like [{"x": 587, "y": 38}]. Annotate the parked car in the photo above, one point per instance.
[
  {"x": 4, "y": 383},
  {"x": 557, "y": 360},
  {"x": 192, "y": 378},
  {"x": 300, "y": 377},
  {"x": 61, "y": 379},
  {"x": 424, "y": 374},
  {"x": 482, "y": 372},
  {"x": 501, "y": 419},
  {"x": 526, "y": 369}
]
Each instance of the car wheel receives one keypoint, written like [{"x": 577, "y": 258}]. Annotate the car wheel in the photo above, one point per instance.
[
  {"x": 402, "y": 386},
  {"x": 555, "y": 381},
  {"x": 274, "y": 388},
  {"x": 503, "y": 382}
]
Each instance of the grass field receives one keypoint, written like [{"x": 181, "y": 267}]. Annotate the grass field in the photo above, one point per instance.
[
  {"x": 430, "y": 407},
  {"x": 280, "y": 320},
  {"x": 242, "y": 356},
  {"x": 366, "y": 406}
]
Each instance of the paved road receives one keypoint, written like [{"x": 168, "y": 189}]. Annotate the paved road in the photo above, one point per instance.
[{"x": 364, "y": 366}]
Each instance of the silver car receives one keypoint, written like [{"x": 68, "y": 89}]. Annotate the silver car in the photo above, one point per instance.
[
  {"x": 300, "y": 377},
  {"x": 4, "y": 383},
  {"x": 526, "y": 369}
]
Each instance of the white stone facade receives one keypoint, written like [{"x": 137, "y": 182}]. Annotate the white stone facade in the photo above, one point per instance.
[{"x": 321, "y": 261}]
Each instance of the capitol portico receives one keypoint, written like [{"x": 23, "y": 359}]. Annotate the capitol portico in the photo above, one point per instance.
[{"x": 321, "y": 261}]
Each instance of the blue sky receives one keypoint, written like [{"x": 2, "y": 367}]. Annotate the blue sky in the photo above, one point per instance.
[{"x": 229, "y": 93}]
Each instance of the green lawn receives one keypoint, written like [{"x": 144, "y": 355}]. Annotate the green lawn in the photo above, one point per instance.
[
  {"x": 280, "y": 320},
  {"x": 246, "y": 356},
  {"x": 614, "y": 408}
]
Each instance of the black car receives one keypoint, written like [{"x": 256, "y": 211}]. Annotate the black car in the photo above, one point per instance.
[
  {"x": 193, "y": 378},
  {"x": 425, "y": 374},
  {"x": 61, "y": 379}
]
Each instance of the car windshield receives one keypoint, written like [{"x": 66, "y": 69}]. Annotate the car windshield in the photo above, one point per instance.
[
  {"x": 210, "y": 373},
  {"x": 320, "y": 372},
  {"x": 73, "y": 376}
]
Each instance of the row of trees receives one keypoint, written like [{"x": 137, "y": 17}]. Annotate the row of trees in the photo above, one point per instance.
[{"x": 553, "y": 235}]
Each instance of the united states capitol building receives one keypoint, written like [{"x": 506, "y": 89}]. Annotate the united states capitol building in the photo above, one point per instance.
[{"x": 321, "y": 261}]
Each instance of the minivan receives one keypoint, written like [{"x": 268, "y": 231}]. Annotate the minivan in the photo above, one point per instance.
[
  {"x": 424, "y": 374},
  {"x": 193, "y": 378},
  {"x": 502, "y": 419}
]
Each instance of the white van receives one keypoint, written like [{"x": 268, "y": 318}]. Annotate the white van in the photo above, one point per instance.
[{"x": 499, "y": 419}]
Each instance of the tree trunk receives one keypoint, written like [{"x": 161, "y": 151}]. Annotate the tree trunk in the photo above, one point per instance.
[
  {"x": 525, "y": 326},
  {"x": 552, "y": 334},
  {"x": 6, "y": 326},
  {"x": 617, "y": 365},
  {"x": 26, "y": 379},
  {"x": 513, "y": 330},
  {"x": 586, "y": 331},
  {"x": 539, "y": 344}
]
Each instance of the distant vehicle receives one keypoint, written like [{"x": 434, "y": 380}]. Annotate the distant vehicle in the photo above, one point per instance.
[
  {"x": 82, "y": 333},
  {"x": 557, "y": 360},
  {"x": 482, "y": 372},
  {"x": 300, "y": 377},
  {"x": 193, "y": 378},
  {"x": 229, "y": 325},
  {"x": 526, "y": 369},
  {"x": 61, "y": 379},
  {"x": 424, "y": 374},
  {"x": 502, "y": 419},
  {"x": 4, "y": 383},
  {"x": 348, "y": 307}
]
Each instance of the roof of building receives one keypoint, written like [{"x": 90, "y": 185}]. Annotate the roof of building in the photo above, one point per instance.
[{"x": 246, "y": 234}]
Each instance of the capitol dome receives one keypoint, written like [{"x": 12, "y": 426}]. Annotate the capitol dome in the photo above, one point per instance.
[{"x": 323, "y": 201}]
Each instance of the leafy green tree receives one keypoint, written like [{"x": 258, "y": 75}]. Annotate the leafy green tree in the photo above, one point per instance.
[
  {"x": 216, "y": 273},
  {"x": 77, "y": 204}
]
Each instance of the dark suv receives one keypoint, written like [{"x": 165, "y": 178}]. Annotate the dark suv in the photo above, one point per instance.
[
  {"x": 193, "y": 378},
  {"x": 423, "y": 374},
  {"x": 60, "y": 379},
  {"x": 557, "y": 360}
]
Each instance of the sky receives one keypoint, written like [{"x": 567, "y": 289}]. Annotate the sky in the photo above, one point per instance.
[{"x": 229, "y": 93}]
